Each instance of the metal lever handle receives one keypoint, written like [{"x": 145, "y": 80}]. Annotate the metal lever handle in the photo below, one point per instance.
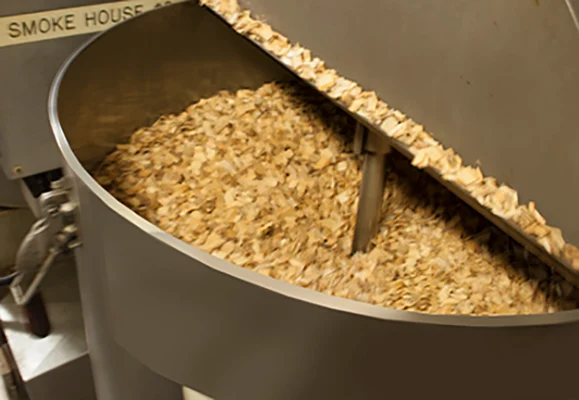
[
  {"x": 64, "y": 240},
  {"x": 50, "y": 236},
  {"x": 22, "y": 298}
]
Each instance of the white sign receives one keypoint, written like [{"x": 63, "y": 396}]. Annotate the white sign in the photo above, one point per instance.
[{"x": 45, "y": 25}]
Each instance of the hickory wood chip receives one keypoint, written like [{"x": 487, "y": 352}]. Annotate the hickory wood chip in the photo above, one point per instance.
[
  {"x": 502, "y": 201},
  {"x": 268, "y": 180}
]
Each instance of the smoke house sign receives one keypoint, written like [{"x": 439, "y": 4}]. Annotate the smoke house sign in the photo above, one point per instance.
[{"x": 45, "y": 25}]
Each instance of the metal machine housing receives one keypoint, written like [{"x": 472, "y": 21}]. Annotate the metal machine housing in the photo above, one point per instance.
[{"x": 161, "y": 313}]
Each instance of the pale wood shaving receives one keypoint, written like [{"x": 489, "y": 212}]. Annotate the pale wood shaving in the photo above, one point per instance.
[
  {"x": 268, "y": 180},
  {"x": 329, "y": 81}
]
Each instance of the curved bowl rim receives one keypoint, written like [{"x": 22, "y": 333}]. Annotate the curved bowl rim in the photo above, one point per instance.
[{"x": 280, "y": 287}]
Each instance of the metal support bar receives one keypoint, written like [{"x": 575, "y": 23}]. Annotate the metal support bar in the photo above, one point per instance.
[
  {"x": 375, "y": 149},
  {"x": 370, "y": 201}
]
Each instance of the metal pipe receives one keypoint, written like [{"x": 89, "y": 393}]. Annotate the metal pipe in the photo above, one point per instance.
[
  {"x": 375, "y": 149},
  {"x": 370, "y": 201}
]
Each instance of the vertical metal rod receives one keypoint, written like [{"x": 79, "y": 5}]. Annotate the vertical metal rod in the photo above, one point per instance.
[
  {"x": 370, "y": 200},
  {"x": 359, "y": 138}
]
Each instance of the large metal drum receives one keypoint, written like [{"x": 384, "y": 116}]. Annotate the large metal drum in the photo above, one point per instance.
[{"x": 161, "y": 313}]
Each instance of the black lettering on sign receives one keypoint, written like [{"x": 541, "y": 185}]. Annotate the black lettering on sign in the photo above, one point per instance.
[
  {"x": 44, "y": 25},
  {"x": 104, "y": 17},
  {"x": 90, "y": 18},
  {"x": 29, "y": 29},
  {"x": 111, "y": 15},
  {"x": 128, "y": 12},
  {"x": 41, "y": 26},
  {"x": 69, "y": 22},
  {"x": 57, "y": 23},
  {"x": 116, "y": 15},
  {"x": 14, "y": 30}
]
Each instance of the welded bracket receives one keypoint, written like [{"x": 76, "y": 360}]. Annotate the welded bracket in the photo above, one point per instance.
[
  {"x": 375, "y": 149},
  {"x": 54, "y": 233}
]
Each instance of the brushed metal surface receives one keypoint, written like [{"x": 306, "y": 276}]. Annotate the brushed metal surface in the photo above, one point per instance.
[
  {"x": 368, "y": 215},
  {"x": 14, "y": 225},
  {"x": 497, "y": 80},
  {"x": 26, "y": 72},
  {"x": 116, "y": 374},
  {"x": 10, "y": 193},
  {"x": 70, "y": 381},
  {"x": 231, "y": 333}
]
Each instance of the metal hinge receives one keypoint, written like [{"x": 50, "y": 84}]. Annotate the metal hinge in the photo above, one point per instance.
[{"x": 53, "y": 234}]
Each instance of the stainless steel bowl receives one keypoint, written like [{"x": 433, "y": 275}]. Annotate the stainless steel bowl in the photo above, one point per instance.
[{"x": 160, "y": 312}]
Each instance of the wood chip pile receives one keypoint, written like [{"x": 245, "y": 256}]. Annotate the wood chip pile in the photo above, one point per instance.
[
  {"x": 268, "y": 180},
  {"x": 427, "y": 152}
]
